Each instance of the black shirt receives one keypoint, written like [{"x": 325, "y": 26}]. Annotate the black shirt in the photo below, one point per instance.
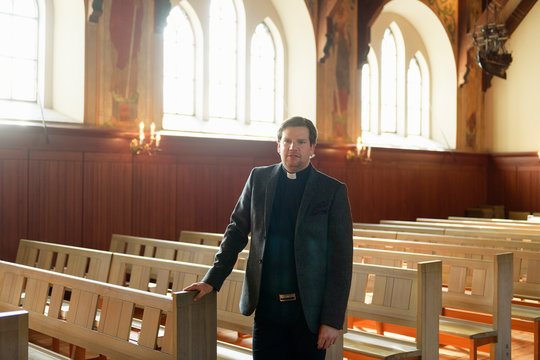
[{"x": 279, "y": 267}]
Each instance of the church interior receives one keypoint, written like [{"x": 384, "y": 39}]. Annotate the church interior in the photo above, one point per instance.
[{"x": 144, "y": 118}]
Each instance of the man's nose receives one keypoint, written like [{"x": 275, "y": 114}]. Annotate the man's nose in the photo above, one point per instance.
[{"x": 292, "y": 145}]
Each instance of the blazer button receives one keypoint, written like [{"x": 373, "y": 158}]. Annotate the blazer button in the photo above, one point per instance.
[{"x": 260, "y": 261}]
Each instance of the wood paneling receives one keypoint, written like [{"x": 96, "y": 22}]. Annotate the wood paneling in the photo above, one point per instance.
[
  {"x": 154, "y": 196},
  {"x": 13, "y": 201},
  {"x": 514, "y": 181},
  {"x": 107, "y": 207},
  {"x": 55, "y": 197},
  {"x": 84, "y": 184}
]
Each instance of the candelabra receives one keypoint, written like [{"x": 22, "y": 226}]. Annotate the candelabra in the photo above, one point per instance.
[
  {"x": 143, "y": 146},
  {"x": 362, "y": 152}
]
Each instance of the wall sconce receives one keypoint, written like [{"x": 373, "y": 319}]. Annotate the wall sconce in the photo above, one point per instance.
[
  {"x": 362, "y": 152},
  {"x": 148, "y": 147}
]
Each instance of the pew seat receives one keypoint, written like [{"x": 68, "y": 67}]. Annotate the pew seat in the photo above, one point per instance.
[{"x": 379, "y": 346}]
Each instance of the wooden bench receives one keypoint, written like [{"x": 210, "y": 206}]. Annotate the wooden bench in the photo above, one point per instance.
[
  {"x": 99, "y": 316},
  {"x": 172, "y": 275},
  {"x": 169, "y": 250},
  {"x": 511, "y": 224},
  {"x": 470, "y": 285},
  {"x": 511, "y": 245},
  {"x": 71, "y": 260},
  {"x": 403, "y": 297},
  {"x": 202, "y": 238},
  {"x": 133, "y": 272},
  {"x": 471, "y": 230}
]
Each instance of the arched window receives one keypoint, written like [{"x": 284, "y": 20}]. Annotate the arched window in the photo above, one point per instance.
[
  {"x": 263, "y": 75},
  {"x": 224, "y": 67},
  {"x": 366, "y": 97},
  {"x": 414, "y": 98},
  {"x": 18, "y": 50},
  {"x": 406, "y": 51},
  {"x": 179, "y": 87},
  {"x": 223, "y": 59},
  {"x": 389, "y": 83}
]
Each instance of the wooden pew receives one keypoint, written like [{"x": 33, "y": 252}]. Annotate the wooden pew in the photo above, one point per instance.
[
  {"x": 180, "y": 275},
  {"x": 99, "y": 316},
  {"x": 71, "y": 260},
  {"x": 469, "y": 285},
  {"x": 132, "y": 271},
  {"x": 511, "y": 224},
  {"x": 497, "y": 233},
  {"x": 169, "y": 250},
  {"x": 471, "y": 230},
  {"x": 403, "y": 297},
  {"x": 510, "y": 245},
  {"x": 202, "y": 238}
]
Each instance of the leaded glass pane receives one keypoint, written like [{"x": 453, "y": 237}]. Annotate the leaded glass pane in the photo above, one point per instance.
[{"x": 263, "y": 75}]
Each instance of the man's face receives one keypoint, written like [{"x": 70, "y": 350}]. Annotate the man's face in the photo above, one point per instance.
[{"x": 294, "y": 148}]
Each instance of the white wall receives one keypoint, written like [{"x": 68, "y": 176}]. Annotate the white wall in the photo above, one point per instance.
[
  {"x": 68, "y": 58},
  {"x": 513, "y": 105}
]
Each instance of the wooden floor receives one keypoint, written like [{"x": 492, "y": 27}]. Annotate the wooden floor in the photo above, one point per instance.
[{"x": 522, "y": 346}]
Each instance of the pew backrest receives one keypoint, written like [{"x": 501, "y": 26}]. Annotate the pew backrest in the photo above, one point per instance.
[
  {"x": 71, "y": 260},
  {"x": 99, "y": 316},
  {"x": 526, "y": 264},
  {"x": 169, "y": 250},
  {"x": 202, "y": 238},
  {"x": 404, "y": 297},
  {"x": 469, "y": 229},
  {"x": 166, "y": 276}
]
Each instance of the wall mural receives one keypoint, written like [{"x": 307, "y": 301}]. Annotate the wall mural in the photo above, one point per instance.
[
  {"x": 337, "y": 70},
  {"x": 125, "y": 28}
]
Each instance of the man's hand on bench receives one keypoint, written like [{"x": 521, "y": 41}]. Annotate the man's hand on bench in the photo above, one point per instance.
[{"x": 202, "y": 287}]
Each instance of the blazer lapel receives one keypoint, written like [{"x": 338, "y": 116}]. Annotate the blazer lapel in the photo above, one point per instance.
[
  {"x": 269, "y": 196},
  {"x": 309, "y": 192}
]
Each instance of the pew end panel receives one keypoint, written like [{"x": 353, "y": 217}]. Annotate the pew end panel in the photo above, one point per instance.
[{"x": 14, "y": 335}]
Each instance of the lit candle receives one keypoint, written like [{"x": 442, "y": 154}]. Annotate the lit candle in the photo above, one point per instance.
[
  {"x": 158, "y": 139},
  {"x": 152, "y": 131},
  {"x": 141, "y": 132},
  {"x": 358, "y": 145},
  {"x": 369, "y": 152}
]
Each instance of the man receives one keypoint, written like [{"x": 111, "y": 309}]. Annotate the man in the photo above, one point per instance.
[{"x": 298, "y": 272}]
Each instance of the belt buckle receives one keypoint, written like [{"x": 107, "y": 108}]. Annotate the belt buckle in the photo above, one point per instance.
[{"x": 287, "y": 297}]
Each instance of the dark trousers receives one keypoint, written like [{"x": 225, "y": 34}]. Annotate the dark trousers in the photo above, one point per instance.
[{"x": 281, "y": 341}]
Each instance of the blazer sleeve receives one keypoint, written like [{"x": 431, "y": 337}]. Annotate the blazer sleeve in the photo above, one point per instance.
[
  {"x": 340, "y": 256},
  {"x": 234, "y": 240}
]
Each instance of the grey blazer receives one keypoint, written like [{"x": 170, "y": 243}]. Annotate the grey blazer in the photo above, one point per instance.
[{"x": 323, "y": 245}]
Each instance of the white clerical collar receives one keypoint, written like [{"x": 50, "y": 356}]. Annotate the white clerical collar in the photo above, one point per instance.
[{"x": 291, "y": 176}]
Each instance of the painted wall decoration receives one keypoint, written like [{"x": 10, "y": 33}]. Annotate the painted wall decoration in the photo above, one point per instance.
[
  {"x": 338, "y": 65},
  {"x": 446, "y": 10},
  {"x": 125, "y": 26}
]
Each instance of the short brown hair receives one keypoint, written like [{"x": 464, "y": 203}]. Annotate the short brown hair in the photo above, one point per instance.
[{"x": 299, "y": 122}]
